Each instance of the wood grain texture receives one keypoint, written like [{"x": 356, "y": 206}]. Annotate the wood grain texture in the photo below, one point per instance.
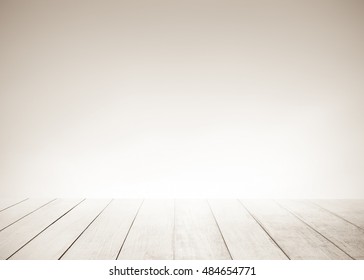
[
  {"x": 351, "y": 210},
  {"x": 17, "y": 235},
  {"x": 151, "y": 235},
  {"x": 295, "y": 238},
  {"x": 181, "y": 229},
  {"x": 59, "y": 236},
  {"x": 105, "y": 236},
  {"x": 9, "y": 202},
  {"x": 20, "y": 210},
  {"x": 346, "y": 236},
  {"x": 197, "y": 235},
  {"x": 244, "y": 237}
]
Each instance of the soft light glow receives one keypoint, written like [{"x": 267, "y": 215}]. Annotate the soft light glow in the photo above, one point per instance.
[{"x": 182, "y": 99}]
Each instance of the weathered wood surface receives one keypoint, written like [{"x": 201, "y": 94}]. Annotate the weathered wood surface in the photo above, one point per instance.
[{"x": 181, "y": 229}]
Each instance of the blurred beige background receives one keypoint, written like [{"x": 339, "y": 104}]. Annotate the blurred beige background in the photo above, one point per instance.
[{"x": 182, "y": 98}]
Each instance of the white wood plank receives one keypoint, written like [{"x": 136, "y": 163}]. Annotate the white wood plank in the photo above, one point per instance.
[
  {"x": 197, "y": 235},
  {"x": 59, "y": 236},
  {"x": 17, "y": 235},
  {"x": 9, "y": 202},
  {"x": 18, "y": 211},
  {"x": 346, "y": 236},
  {"x": 351, "y": 210},
  {"x": 151, "y": 236},
  {"x": 296, "y": 239},
  {"x": 105, "y": 236},
  {"x": 244, "y": 237}
]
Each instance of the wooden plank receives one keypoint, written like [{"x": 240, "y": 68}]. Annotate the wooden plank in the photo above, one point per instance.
[
  {"x": 197, "y": 235},
  {"x": 60, "y": 236},
  {"x": 344, "y": 235},
  {"x": 244, "y": 237},
  {"x": 351, "y": 210},
  {"x": 17, "y": 235},
  {"x": 105, "y": 236},
  {"x": 151, "y": 236},
  {"x": 295, "y": 238},
  {"x": 20, "y": 210},
  {"x": 9, "y": 202}
]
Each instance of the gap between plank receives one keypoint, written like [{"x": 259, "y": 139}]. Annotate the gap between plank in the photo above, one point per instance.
[
  {"x": 131, "y": 225},
  {"x": 13, "y": 204},
  {"x": 266, "y": 231},
  {"x": 222, "y": 236},
  {"x": 303, "y": 221},
  {"x": 85, "y": 229},
  {"x": 28, "y": 214},
  {"x": 333, "y": 213},
  {"x": 45, "y": 228}
]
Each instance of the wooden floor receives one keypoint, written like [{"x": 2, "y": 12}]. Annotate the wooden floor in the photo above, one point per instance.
[{"x": 181, "y": 229}]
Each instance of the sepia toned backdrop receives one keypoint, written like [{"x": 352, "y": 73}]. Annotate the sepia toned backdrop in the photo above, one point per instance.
[{"x": 182, "y": 98}]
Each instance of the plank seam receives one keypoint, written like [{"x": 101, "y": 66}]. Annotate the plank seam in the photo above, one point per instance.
[
  {"x": 85, "y": 229},
  {"x": 60, "y": 217},
  {"x": 131, "y": 225},
  {"x": 333, "y": 213},
  {"x": 307, "y": 224},
  {"x": 13, "y": 204},
  {"x": 222, "y": 236},
  {"x": 263, "y": 228},
  {"x": 28, "y": 214}
]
